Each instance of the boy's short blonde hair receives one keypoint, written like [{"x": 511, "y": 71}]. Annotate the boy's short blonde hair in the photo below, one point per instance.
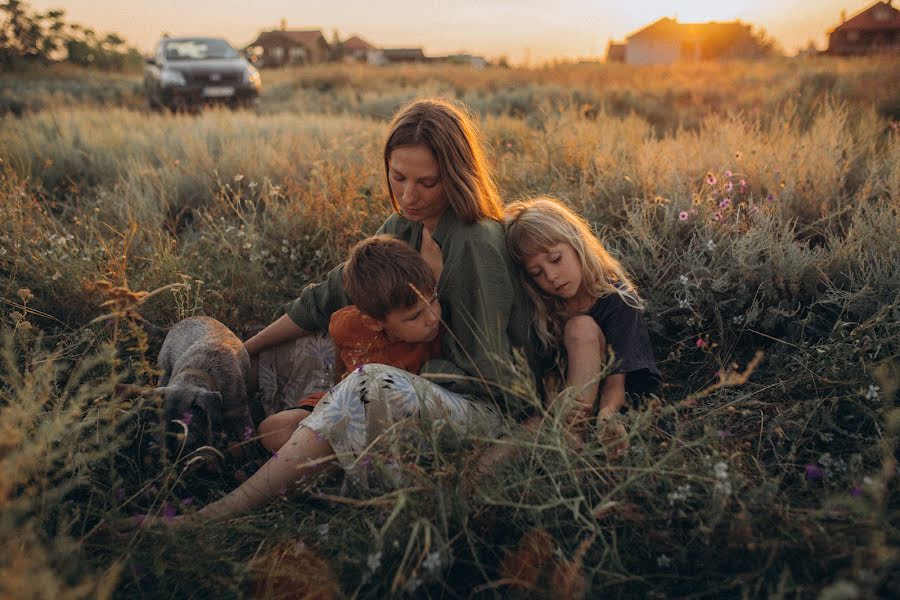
[{"x": 384, "y": 274}]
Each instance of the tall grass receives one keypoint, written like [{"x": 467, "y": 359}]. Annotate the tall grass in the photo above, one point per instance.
[{"x": 773, "y": 480}]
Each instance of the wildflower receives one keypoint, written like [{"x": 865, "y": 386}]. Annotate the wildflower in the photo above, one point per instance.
[
  {"x": 169, "y": 511},
  {"x": 683, "y": 279},
  {"x": 723, "y": 433},
  {"x": 663, "y": 561},
  {"x": 742, "y": 184},
  {"x": 873, "y": 392},
  {"x": 856, "y": 491},
  {"x": 432, "y": 563},
  {"x": 700, "y": 343},
  {"x": 411, "y": 585},
  {"x": 710, "y": 179},
  {"x": 738, "y": 319},
  {"x": 684, "y": 303},
  {"x": 770, "y": 197},
  {"x": 729, "y": 186},
  {"x": 723, "y": 483},
  {"x": 725, "y": 203},
  {"x": 710, "y": 245},
  {"x": 322, "y": 530},
  {"x": 814, "y": 472},
  {"x": 187, "y": 501},
  {"x": 683, "y": 216},
  {"x": 238, "y": 177},
  {"x": 681, "y": 493},
  {"x": 248, "y": 433},
  {"x": 186, "y": 418},
  {"x": 374, "y": 561},
  {"x": 728, "y": 174}
]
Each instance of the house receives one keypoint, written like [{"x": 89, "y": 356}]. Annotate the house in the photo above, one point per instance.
[
  {"x": 404, "y": 55},
  {"x": 357, "y": 49},
  {"x": 615, "y": 52},
  {"x": 876, "y": 28},
  {"x": 462, "y": 59},
  {"x": 667, "y": 41},
  {"x": 283, "y": 47}
]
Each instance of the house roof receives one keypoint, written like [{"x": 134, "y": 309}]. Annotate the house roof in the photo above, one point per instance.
[
  {"x": 671, "y": 30},
  {"x": 357, "y": 43},
  {"x": 401, "y": 53},
  {"x": 305, "y": 37},
  {"x": 881, "y": 16}
]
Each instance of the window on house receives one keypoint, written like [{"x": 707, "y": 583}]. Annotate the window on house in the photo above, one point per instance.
[
  {"x": 277, "y": 52},
  {"x": 297, "y": 54},
  {"x": 853, "y": 36}
]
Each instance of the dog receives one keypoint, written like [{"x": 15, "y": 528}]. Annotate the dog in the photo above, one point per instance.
[{"x": 204, "y": 381}]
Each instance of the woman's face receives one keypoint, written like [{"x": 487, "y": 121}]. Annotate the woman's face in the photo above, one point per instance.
[{"x": 417, "y": 185}]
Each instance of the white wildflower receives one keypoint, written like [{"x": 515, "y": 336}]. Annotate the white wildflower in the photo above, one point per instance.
[
  {"x": 322, "y": 530},
  {"x": 412, "y": 585},
  {"x": 683, "y": 279},
  {"x": 873, "y": 393},
  {"x": 679, "y": 494},
  {"x": 710, "y": 245},
  {"x": 432, "y": 563},
  {"x": 723, "y": 482},
  {"x": 374, "y": 561},
  {"x": 663, "y": 561},
  {"x": 684, "y": 303}
]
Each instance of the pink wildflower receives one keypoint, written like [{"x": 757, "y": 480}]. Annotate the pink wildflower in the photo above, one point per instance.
[
  {"x": 683, "y": 216},
  {"x": 728, "y": 174},
  {"x": 717, "y": 216},
  {"x": 169, "y": 511},
  {"x": 725, "y": 203},
  {"x": 187, "y": 417},
  {"x": 700, "y": 343},
  {"x": 814, "y": 472},
  {"x": 710, "y": 179},
  {"x": 248, "y": 433},
  {"x": 729, "y": 186}
]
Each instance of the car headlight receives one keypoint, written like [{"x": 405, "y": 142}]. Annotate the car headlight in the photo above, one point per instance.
[
  {"x": 172, "y": 77},
  {"x": 251, "y": 76}
]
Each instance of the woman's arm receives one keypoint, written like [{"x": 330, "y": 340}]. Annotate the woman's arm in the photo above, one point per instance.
[{"x": 281, "y": 330}]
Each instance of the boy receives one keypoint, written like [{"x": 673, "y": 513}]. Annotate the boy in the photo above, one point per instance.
[{"x": 394, "y": 320}]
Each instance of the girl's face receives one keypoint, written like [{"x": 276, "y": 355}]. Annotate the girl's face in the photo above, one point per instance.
[
  {"x": 556, "y": 270},
  {"x": 416, "y": 184}
]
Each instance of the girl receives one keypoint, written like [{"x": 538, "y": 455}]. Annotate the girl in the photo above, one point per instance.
[{"x": 585, "y": 304}]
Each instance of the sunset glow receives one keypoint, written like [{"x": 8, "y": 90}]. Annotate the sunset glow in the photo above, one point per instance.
[{"x": 523, "y": 30}]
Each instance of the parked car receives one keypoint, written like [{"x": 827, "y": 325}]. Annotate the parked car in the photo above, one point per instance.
[{"x": 185, "y": 73}]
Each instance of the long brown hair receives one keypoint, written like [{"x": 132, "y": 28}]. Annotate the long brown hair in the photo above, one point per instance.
[
  {"x": 533, "y": 226},
  {"x": 455, "y": 141}
]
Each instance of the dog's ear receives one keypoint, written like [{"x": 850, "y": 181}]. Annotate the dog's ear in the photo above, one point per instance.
[{"x": 211, "y": 403}]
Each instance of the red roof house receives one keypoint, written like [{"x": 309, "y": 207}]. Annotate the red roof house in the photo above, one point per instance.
[
  {"x": 282, "y": 47},
  {"x": 875, "y": 29}
]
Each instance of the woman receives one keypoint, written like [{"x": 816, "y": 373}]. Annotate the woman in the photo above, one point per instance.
[{"x": 446, "y": 206}]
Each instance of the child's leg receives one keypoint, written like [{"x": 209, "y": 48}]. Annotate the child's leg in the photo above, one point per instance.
[
  {"x": 586, "y": 349},
  {"x": 275, "y": 431},
  {"x": 297, "y": 460}
]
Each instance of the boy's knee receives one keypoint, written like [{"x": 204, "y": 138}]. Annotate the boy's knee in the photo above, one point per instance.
[{"x": 583, "y": 330}]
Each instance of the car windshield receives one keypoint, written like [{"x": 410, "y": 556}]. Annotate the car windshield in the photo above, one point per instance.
[{"x": 199, "y": 50}]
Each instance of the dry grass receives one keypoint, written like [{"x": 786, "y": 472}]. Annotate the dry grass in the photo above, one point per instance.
[{"x": 777, "y": 483}]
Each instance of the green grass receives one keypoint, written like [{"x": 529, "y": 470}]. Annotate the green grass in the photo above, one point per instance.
[{"x": 782, "y": 485}]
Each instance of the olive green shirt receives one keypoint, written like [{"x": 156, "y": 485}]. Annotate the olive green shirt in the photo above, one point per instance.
[{"x": 484, "y": 306}]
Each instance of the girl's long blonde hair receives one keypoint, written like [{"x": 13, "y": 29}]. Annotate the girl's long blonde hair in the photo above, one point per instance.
[{"x": 533, "y": 226}]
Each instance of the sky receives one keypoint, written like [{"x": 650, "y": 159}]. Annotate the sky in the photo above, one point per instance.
[{"x": 526, "y": 31}]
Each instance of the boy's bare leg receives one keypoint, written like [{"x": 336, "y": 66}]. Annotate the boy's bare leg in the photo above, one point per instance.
[
  {"x": 303, "y": 456},
  {"x": 275, "y": 431}
]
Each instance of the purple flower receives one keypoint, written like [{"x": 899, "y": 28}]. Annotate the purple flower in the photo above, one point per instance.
[
  {"x": 725, "y": 203},
  {"x": 728, "y": 174},
  {"x": 187, "y": 501},
  {"x": 710, "y": 179},
  {"x": 682, "y": 216},
  {"x": 248, "y": 433},
  {"x": 186, "y": 418},
  {"x": 814, "y": 472},
  {"x": 169, "y": 511},
  {"x": 770, "y": 197},
  {"x": 365, "y": 461},
  {"x": 856, "y": 491}
]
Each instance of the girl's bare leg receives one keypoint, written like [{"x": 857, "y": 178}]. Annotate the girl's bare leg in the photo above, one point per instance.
[{"x": 586, "y": 349}]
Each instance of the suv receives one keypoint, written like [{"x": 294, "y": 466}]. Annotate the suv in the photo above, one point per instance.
[{"x": 184, "y": 73}]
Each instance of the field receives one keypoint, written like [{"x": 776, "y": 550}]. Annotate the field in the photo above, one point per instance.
[{"x": 756, "y": 204}]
